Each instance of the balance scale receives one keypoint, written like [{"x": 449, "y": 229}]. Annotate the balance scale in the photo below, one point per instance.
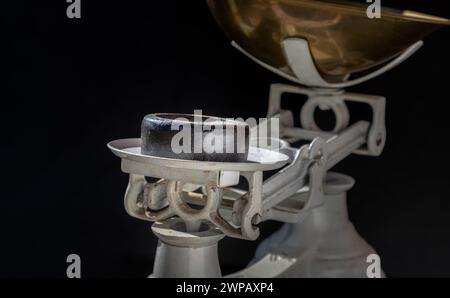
[{"x": 317, "y": 239}]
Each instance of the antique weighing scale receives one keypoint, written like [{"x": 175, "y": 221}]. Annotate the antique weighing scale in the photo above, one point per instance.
[{"x": 194, "y": 202}]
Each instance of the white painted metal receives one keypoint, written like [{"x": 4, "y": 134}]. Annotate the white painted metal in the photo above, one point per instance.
[
  {"x": 259, "y": 159},
  {"x": 324, "y": 244},
  {"x": 182, "y": 254},
  {"x": 318, "y": 241},
  {"x": 335, "y": 100}
]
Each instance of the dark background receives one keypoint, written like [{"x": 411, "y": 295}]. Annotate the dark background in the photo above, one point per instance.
[{"x": 70, "y": 86}]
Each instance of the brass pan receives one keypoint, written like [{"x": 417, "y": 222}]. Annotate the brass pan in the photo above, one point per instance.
[{"x": 342, "y": 38}]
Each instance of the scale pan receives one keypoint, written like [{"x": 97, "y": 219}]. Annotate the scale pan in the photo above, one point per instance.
[{"x": 343, "y": 40}]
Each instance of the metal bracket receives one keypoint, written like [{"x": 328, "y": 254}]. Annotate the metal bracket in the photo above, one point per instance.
[
  {"x": 302, "y": 64},
  {"x": 141, "y": 195},
  {"x": 307, "y": 168},
  {"x": 336, "y": 101}
]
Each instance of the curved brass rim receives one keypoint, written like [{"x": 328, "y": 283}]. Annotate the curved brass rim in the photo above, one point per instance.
[
  {"x": 337, "y": 32},
  {"x": 360, "y": 9}
]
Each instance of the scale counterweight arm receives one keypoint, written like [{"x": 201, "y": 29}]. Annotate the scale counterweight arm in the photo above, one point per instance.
[{"x": 320, "y": 153}]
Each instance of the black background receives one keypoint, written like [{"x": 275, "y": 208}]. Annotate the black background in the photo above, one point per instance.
[{"x": 70, "y": 86}]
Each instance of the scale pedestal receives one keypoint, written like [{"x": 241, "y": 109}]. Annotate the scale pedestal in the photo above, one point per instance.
[
  {"x": 183, "y": 255},
  {"x": 325, "y": 244}
]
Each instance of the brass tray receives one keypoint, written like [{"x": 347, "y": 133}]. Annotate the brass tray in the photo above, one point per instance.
[{"x": 342, "y": 38}]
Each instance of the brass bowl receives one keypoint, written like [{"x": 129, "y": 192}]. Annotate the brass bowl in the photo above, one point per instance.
[{"x": 343, "y": 40}]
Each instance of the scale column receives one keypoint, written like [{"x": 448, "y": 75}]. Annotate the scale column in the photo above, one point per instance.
[{"x": 182, "y": 254}]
